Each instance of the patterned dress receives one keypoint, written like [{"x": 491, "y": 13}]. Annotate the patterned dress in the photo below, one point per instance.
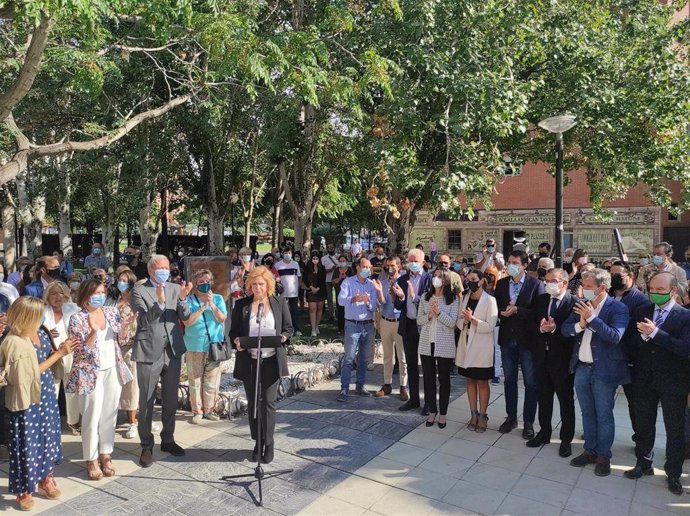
[{"x": 35, "y": 447}]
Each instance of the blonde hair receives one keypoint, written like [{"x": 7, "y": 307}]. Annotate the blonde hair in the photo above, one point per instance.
[
  {"x": 264, "y": 273},
  {"x": 25, "y": 315},
  {"x": 56, "y": 285}
]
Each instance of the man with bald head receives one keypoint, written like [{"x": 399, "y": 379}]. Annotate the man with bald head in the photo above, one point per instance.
[
  {"x": 158, "y": 349},
  {"x": 408, "y": 291},
  {"x": 661, "y": 375}
]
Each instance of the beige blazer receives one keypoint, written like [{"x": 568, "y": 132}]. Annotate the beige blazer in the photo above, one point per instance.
[
  {"x": 18, "y": 357},
  {"x": 476, "y": 344}
]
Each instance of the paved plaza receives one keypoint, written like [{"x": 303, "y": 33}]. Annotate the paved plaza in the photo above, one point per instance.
[{"x": 363, "y": 457}]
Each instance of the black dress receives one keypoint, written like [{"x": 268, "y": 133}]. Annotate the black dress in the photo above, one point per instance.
[
  {"x": 315, "y": 279},
  {"x": 476, "y": 373}
]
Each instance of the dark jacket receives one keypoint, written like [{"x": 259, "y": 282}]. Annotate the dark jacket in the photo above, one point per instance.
[
  {"x": 401, "y": 304},
  {"x": 239, "y": 327},
  {"x": 610, "y": 360},
  {"x": 518, "y": 326},
  {"x": 634, "y": 299},
  {"x": 35, "y": 289},
  {"x": 664, "y": 362},
  {"x": 560, "y": 347}
]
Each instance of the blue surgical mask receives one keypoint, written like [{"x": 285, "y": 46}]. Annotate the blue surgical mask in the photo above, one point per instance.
[
  {"x": 457, "y": 266},
  {"x": 247, "y": 257},
  {"x": 657, "y": 260},
  {"x": 204, "y": 288},
  {"x": 96, "y": 251},
  {"x": 365, "y": 273},
  {"x": 589, "y": 294},
  {"x": 287, "y": 257},
  {"x": 513, "y": 270},
  {"x": 123, "y": 286},
  {"x": 414, "y": 266},
  {"x": 161, "y": 275},
  {"x": 97, "y": 300}
]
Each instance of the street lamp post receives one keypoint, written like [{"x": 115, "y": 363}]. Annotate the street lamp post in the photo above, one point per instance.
[{"x": 558, "y": 125}]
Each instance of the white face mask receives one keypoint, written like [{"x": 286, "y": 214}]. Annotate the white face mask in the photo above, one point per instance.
[
  {"x": 437, "y": 282},
  {"x": 2, "y": 277},
  {"x": 553, "y": 289},
  {"x": 74, "y": 285}
]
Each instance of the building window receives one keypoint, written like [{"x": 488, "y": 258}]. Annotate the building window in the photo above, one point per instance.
[
  {"x": 454, "y": 239},
  {"x": 671, "y": 216}
]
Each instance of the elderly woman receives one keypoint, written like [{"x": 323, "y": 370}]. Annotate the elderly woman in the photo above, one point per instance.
[
  {"x": 73, "y": 282},
  {"x": 204, "y": 326},
  {"x": 239, "y": 283},
  {"x": 27, "y": 356},
  {"x": 58, "y": 310},
  {"x": 98, "y": 373},
  {"x": 437, "y": 316},
  {"x": 275, "y": 321}
]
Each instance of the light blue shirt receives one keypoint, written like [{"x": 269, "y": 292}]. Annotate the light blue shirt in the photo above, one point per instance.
[
  {"x": 516, "y": 287},
  {"x": 195, "y": 336},
  {"x": 388, "y": 309},
  {"x": 359, "y": 311}
]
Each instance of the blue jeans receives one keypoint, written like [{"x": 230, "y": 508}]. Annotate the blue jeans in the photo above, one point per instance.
[
  {"x": 511, "y": 356},
  {"x": 596, "y": 400},
  {"x": 358, "y": 340}
]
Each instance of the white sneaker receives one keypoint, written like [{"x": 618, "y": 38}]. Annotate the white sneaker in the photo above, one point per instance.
[
  {"x": 131, "y": 432},
  {"x": 156, "y": 427},
  {"x": 317, "y": 331},
  {"x": 313, "y": 333},
  {"x": 298, "y": 333},
  {"x": 197, "y": 419}
]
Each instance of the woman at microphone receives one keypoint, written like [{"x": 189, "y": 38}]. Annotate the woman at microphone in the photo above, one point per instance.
[{"x": 272, "y": 314}]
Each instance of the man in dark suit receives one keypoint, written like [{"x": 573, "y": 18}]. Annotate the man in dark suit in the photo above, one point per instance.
[
  {"x": 661, "y": 374},
  {"x": 408, "y": 291},
  {"x": 600, "y": 365},
  {"x": 158, "y": 349},
  {"x": 47, "y": 271},
  {"x": 552, "y": 352},
  {"x": 515, "y": 297}
]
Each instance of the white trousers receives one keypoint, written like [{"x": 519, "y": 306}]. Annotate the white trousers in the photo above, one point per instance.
[
  {"x": 71, "y": 400},
  {"x": 99, "y": 415}
]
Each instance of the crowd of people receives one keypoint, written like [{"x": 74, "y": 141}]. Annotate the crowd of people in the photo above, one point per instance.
[{"x": 109, "y": 338}]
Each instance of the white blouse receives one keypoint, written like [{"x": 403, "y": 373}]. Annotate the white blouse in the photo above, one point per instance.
[{"x": 268, "y": 328}]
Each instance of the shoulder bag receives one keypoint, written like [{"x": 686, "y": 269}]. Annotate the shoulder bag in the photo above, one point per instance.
[{"x": 217, "y": 351}]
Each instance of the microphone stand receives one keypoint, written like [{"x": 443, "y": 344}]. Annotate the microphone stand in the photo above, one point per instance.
[{"x": 259, "y": 473}]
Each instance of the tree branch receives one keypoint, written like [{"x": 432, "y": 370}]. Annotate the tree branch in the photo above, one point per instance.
[{"x": 29, "y": 70}]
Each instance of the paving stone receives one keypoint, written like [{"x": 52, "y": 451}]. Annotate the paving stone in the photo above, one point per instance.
[
  {"x": 103, "y": 499},
  {"x": 389, "y": 429},
  {"x": 318, "y": 477}
]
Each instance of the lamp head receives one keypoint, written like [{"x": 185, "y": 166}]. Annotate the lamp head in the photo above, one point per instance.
[{"x": 559, "y": 123}]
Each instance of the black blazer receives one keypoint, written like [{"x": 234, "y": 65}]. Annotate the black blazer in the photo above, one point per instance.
[
  {"x": 239, "y": 327},
  {"x": 664, "y": 362},
  {"x": 518, "y": 326},
  {"x": 560, "y": 347}
]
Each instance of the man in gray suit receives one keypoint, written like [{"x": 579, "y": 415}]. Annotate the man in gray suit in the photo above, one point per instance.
[{"x": 158, "y": 349}]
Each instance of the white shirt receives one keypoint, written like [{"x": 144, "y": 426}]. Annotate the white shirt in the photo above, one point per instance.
[
  {"x": 556, "y": 300},
  {"x": 106, "y": 347},
  {"x": 356, "y": 248},
  {"x": 585, "y": 352},
  {"x": 68, "y": 309},
  {"x": 289, "y": 277},
  {"x": 493, "y": 260},
  {"x": 268, "y": 328},
  {"x": 667, "y": 310},
  {"x": 9, "y": 291},
  {"x": 330, "y": 264},
  {"x": 411, "y": 305}
]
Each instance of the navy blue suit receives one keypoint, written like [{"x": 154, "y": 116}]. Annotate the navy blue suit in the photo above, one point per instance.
[
  {"x": 35, "y": 288},
  {"x": 662, "y": 374},
  {"x": 407, "y": 328}
]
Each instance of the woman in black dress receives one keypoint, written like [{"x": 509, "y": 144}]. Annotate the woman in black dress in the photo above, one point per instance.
[{"x": 314, "y": 282}]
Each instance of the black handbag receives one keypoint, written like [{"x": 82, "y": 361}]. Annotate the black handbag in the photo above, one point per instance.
[{"x": 217, "y": 351}]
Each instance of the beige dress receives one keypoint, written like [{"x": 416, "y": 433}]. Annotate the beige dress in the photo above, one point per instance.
[{"x": 129, "y": 399}]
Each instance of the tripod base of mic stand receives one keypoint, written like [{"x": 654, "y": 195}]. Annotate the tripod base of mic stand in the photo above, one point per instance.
[{"x": 259, "y": 474}]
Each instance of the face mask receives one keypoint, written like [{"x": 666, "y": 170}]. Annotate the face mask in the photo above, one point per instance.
[
  {"x": 365, "y": 273},
  {"x": 331, "y": 252},
  {"x": 97, "y": 300},
  {"x": 391, "y": 271},
  {"x": 541, "y": 272},
  {"x": 204, "y": 288},
  {"x": 287, "y": 257},
  {"x": 161, "y": 275},
  {"x": 247, "y": 257},
  {"x": 2, "y": 277},
  {"x": 457, "y": 266},
  {"x": 543, "y": 255},
  {"x": 123, "y": 286},
  {"x": 567, "y": 259},
  {"x": 342, "y": 264},
  {"x": 490, "y": 248},
  {"x": 437, "y": 282},
  {"x": 617, "y": 282},
  {"x": 657, "y": 260},
  {"x": 96, "y": 251},
  {"x": 552, "y": 289},
  {"x": 414, "y": 267},
  {"x": 644, "y": 261},
  {"x": 174, "y": 273},
  {"x": 687, "y": 259},
  {"x": 53, "y": 273},
  {"x": 129, "y": 258},
  {"x": 380, "y": 256},
  {"x": 513, "y": 270},
  {"x": 74, "y": 285},
  {"x": 660, "y": 299},
  {"x": 589, "y": 294},
  {"x": 473, "y": 286}
]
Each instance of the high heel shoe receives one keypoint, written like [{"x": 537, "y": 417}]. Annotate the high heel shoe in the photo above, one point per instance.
[
  {"x": 482, "y": 423},
  {"x": 441, "y": 425},
  {"x": 431, "y": 423},
  {"x": 472, "y": 425}
]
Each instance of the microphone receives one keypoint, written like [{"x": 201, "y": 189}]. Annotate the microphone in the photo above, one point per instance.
[{"x": 259, "y": 313}]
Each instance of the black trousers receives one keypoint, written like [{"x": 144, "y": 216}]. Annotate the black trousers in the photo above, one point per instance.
[
  {"x": 432, "y": 365},
  {"x": 269, "y": 394},
  {"x": 673, "y": 407},
  {"x": 553, "y": 378},
  {"x": 411, "y": 347},
  {"x": 293, "y": 303},
  {"x": 629, "y": 391}
]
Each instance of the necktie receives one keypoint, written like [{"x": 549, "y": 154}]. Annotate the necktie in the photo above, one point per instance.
[
  {"x": 554, "y": 307},
  {"x": 660, "y": 317}
]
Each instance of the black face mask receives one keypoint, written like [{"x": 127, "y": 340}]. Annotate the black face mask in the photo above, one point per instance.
[
  {"x": 53, "y": 273},
  {"x": 129, "y": 258},
  {"x": 543, "y": 254},
  {"x": 541, "y": 272},
  {"x": 617, "y": 282},
  {"x": 174, "y": 274},
  {"x": 269, "y": 263},
  {"x": 473, "y": 286}
]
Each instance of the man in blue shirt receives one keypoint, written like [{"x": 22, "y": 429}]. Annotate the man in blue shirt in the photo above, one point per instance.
[
  {"x": 360, "y": 297},
  {"x": 96, "y": 260},
  {"x": 391, "y": 341}
]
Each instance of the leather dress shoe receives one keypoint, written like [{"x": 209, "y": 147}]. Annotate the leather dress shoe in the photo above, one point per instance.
[
  {"x": 173, "y": 449},
  {"x": 425, "y": 410},
  {"x": 408, "y": 405},
  {"x": 565, "y": 450},
  {"x": 638, "y": 472},
  {"x": 675, "y": 486},
  {"x": 509, "y": 424},
  {"x": 603, "y": 467},
  {"x": 583, "y": 459},
  {"x": 255, "y": 452},
  {"x": 528, "y": 431},
  {"x": 146, "y": 459},
  {"x": 267, "y": 457},
  {"x": 538, "y": 440}
]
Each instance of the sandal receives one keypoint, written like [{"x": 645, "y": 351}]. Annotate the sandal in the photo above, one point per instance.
[
  {"x": 107, "y": 465},
  {"x": 472, "y": 425},
  {"x": 94, "y": 470},
  {"x": 25, "y": 502},
  {"x": 482, "y": 423},
  {"x": 48, "y": 488}
]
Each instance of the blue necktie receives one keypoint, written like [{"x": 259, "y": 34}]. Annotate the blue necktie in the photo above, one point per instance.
[
  {"x": 554, "y": 307},
  {"x": 660, "y": 317}
]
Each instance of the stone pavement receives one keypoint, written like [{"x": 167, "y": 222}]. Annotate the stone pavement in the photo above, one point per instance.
[{"x": 363, "y": 457}]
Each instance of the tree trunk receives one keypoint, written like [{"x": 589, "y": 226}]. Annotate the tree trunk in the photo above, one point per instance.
[
  {"x": 399, "y": 231},
  {"x": 38, "y": 218},
  {"x": 165, "y": 241},
  {"x": 278, "y": 220},
  {"x": 64, "y": 215},
  {"x": 9, "y": 242},
  {"x": 110, "y": 218},
  {"x": 148, "y": 229},
  {"x": 23, "y": 213},
  {"x": 216, "y": 222}
]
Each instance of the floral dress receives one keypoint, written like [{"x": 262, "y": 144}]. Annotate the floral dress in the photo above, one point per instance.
[{"x": 35, "y": 447}]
